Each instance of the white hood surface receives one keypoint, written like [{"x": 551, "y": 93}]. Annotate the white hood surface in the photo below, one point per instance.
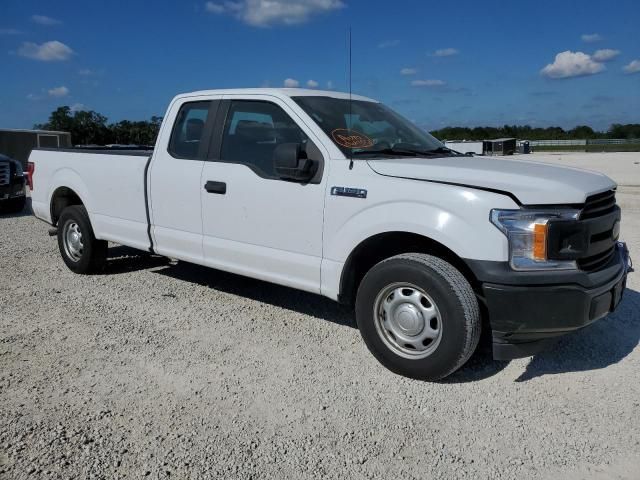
[{"x": 532, "y": 183}]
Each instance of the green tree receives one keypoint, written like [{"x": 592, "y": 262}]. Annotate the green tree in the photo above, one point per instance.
[
  {"x": 630, "y": 130},
  {"x": 86, "y": 127},
  {"x": 582, "y": 131},
  {"x": 60, "y": 119},
  {"x": 90, "y": 128}
]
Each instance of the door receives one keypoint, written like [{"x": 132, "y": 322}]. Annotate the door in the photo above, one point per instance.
[
  {"x": 174, "y": 180},
  {"x": 254, "y": 223}
]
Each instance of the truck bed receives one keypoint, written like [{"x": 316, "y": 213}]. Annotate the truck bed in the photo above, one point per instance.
[{"x": 110, "y": 183}]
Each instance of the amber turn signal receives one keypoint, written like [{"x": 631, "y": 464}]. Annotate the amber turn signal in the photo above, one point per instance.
[{"x": 540, "y": 241}]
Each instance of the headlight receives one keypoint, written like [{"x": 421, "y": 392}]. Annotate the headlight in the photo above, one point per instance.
[{"x": 527, "y": 231}]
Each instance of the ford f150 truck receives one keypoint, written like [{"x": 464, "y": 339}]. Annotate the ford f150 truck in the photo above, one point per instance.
[{"x": 343, "y": 197}]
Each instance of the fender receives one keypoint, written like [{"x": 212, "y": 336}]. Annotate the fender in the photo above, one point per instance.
[
  {"x": 443, "y": 226},
  {"x": 69, "y": 178},
  {"x": 461, "y": 223}
]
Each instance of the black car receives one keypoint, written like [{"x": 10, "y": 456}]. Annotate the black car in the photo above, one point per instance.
[{"x": 12, "y": 185}]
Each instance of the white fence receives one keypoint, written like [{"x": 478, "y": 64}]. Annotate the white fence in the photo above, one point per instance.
[
  {"x": 595, "y": 141},
  {"x": 612, "y": 141},
  {"x": 555, "y": 143}
]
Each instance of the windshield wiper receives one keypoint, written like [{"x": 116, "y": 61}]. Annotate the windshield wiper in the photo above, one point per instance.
[
  {"x": 443, "y": 150},
  {"x": 409, "y": 152}
]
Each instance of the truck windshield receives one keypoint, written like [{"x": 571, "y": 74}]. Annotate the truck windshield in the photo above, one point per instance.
[{"x": 369, "y": 129}]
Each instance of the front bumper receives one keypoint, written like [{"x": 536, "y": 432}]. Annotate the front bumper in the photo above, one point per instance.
[
  {"x": 15, "y": 189},
  {"x": 526, "y": 317}
]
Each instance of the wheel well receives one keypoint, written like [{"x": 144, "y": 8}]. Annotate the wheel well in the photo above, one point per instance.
[
  {"x": 62, "y": 198},
  {"x": 384, "y": 245}
]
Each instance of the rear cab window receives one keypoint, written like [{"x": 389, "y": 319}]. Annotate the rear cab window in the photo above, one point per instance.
[{"x": 189, "y": 136}]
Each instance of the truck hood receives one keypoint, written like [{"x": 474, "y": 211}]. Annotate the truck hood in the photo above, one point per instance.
[{"x": 532, "y": 183}]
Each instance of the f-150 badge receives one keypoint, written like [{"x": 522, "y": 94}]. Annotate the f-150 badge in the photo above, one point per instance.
[{"x": 349, "y": 192}]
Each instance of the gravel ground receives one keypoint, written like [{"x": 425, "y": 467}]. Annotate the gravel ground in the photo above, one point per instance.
[{"x": 160, "y": 369}]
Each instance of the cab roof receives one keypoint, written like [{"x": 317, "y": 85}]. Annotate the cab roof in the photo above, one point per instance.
[{"x": 277, "y": 92}]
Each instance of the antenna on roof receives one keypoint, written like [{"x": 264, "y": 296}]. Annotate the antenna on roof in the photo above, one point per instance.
[{"x": 350, "y": 114}]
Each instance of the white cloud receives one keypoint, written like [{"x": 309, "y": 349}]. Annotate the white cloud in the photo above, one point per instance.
[
  {"x": 33, "y": 97},
  {"x": 78, "y": 107},
  {"x": 605, "y": 54},
  {"x": 632, "y": 67},
  {"x": 312, "y": 84},
  {"x": 85, "y": 72},
  {"x": 445, "y": 52},
  {"x": 264, "y": 13},
  {"x": 291, "y": 83},
  {"x": 47, "y": 52},
  {"x": 428, "y": 83},
  {"x": 44, "y": 20},
  {"x": 572, "y": 64},
  {"x": 329, "y": 85},
  {"x": 214, "y": 7},
  {"x": 389, "y": 44},
  {"x": 10, "y": 31},
  {"x": 408, "y": 71},
  {"x": 591, "y": 37},
  {"x": 59, "y": 92}
]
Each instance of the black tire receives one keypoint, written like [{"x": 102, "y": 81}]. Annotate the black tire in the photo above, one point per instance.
[
  {"x": 459, "y": 321},
  {"x": 92, "y": 255}
]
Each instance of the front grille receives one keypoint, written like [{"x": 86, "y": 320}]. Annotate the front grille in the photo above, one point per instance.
[
  {"x": 599, "y": 205},
  {"x": 600, "y": 212},
  {"x": 5, "y": 172}
]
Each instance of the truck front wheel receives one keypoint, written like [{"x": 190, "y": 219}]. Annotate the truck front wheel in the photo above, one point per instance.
[
  {"x": 80, "y": 249},
  {"x": 418, "y": 315}
]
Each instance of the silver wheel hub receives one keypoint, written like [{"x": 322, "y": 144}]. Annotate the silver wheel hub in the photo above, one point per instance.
[
  {"x": 72, "y": 240},
  {"x": 408, "y": 320}
]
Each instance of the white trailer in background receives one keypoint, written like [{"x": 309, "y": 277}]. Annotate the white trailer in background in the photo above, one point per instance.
[{"x": 464, "y": 146}]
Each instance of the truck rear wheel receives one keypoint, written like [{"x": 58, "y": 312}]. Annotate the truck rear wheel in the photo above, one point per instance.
[
  {"x": 80, "y": 249},
  {"x": 418, "y": 315}
]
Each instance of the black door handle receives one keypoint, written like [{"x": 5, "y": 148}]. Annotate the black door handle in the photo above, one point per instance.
[{"x": 215, "y": 187}]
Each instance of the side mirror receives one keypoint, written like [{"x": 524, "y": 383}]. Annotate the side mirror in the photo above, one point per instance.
[{"x": 290, "y": 162}]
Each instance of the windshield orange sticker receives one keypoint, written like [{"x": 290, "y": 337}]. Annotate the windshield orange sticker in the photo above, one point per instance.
[{"x": 351, "y": 138}]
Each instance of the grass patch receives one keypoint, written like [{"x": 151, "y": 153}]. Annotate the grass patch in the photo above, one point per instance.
[
  {"x": 559, "y": 148},
  {"x": 623, "y": 147}
]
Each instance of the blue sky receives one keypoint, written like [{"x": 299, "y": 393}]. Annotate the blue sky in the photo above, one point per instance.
[{"x": 438, "y": 63}]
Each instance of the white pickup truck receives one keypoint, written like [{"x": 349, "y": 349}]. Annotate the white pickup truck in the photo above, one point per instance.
[{"x": 343, "y": 197}]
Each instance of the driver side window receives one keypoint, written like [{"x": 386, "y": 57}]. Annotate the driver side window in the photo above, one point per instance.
[{"x": 252, "y": 132}]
